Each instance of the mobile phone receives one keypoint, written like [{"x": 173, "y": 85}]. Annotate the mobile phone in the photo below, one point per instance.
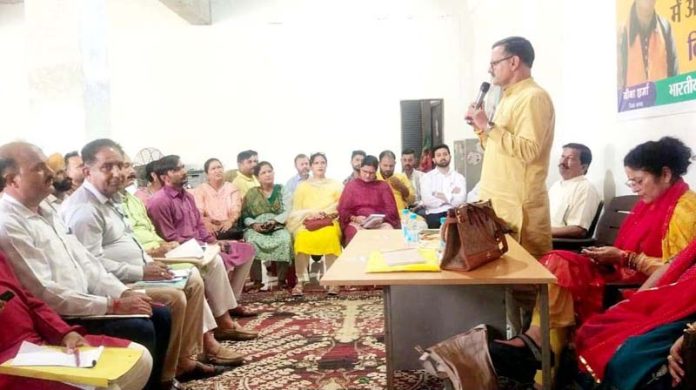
[{"x": 7, "y": 296}]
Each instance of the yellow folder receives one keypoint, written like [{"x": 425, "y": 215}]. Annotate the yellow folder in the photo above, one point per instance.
[{"x": 113, "y": 363}]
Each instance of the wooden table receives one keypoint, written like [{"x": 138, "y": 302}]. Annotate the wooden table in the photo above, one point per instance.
[{"x": 423, "y": 308}]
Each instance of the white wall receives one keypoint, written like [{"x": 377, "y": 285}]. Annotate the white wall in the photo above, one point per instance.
[
  {"x": 330, "y": 75},
  {"x": 14, "y": 90}
]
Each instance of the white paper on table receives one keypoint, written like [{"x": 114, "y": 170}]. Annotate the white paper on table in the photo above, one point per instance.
[
  {"x": 189, "y": 249},
  {"x": 30, "y": 354},
  {"x": 403, "y": 257}
]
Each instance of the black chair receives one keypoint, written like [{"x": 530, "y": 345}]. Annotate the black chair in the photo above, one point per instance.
[{"x": 575, "y": 244}]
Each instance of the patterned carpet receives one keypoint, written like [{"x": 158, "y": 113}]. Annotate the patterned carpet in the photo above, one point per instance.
[{"x": 315, "y": 342}]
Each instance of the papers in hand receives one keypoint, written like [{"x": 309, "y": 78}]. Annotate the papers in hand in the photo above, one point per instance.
[
  {"x": 30, "y": 354},
  {"x": 373, "y": 221},
  {"x": 189, "y": 249},
  {"x": 191, "y": 252},
  {"x": 403, "y": 257}
]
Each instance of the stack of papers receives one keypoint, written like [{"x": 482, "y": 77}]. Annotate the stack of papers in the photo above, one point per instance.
[
  {"x": 189, "y": 249},
  {"x": 30, "y": 354},
  {"x": 191, "y": 252},
  {"x": 110, "y": 365},
  {"x": 403, "y": 257},
  {"x": 403, "y": 260}
]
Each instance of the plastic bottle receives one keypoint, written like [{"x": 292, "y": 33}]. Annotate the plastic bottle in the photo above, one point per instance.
[
  {"x": 443, "y": 234},
  {"x": 413, "y": 230},
  {"x": 404, "y": 222}
]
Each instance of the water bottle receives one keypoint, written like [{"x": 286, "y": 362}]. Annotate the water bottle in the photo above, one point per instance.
[
  {"x": 443, "y": 234},
  {"x": 404, "y": 222},
  {"x": 413, "y": 231}
]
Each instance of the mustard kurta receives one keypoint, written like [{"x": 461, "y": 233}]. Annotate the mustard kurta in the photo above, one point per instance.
[
  {"x": 401, "y": 203},
  {"x": 313, "y": 196},
  {"x": 682, "y": 226},
  {"x": 244, "y": 183},
  {"x": 516, "y": 163}
]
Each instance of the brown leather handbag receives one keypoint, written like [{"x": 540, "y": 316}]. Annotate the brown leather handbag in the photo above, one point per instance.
[
  {"x": 473, "y": 236},
  {"x": 464, "y": 359}
]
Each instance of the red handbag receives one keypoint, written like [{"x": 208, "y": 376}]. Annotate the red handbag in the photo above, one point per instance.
[{"x": 318, "y": 223}]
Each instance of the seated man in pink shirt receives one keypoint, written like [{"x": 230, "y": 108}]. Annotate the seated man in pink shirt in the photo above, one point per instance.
[
  {"x": 174, "y": 213},
  {"x": 26, "y": 318}
]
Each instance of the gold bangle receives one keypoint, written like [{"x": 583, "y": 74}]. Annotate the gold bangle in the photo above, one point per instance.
[{"x": 632, "y": 260}]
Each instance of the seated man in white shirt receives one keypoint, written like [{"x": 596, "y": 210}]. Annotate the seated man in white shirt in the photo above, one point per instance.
[
  {"x": 442, "y": 188},
  {"x": 50, "y": 263},
  {"x": 95, "y": 215},
  {"x": 573, "y": 200}
]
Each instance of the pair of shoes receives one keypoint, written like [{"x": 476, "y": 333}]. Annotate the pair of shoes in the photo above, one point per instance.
[
  {"x": 297, "y": 291},
  {"x": 241, "y": 311},
  {"x": 517, "y": 363},
  {"x": 200, "y": 371},
  {"x": 224, "y": 357},
  {"x": 236, "y": 334},
  {"x": 334, "y": 290}
]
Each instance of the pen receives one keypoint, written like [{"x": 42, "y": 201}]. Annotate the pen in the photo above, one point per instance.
[
  {"x": 157, "y": 304},
  {"x": 76, "y": 351}
]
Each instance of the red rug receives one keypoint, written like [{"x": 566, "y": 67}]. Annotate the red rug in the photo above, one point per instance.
[{"x": 315, "y": 342}]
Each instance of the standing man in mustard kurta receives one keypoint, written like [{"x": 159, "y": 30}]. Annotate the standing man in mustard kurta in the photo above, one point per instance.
[{"x": 517, "y": 145}]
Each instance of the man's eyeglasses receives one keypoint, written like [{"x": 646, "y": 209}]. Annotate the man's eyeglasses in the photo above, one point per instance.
[{"x": 496, "y": 62}]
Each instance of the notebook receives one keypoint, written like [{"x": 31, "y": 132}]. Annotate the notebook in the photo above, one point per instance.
[{"x": 373, "y": 221}]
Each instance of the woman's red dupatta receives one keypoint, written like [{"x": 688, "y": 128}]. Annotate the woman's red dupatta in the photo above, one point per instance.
[{"x": 673, "y": 299}]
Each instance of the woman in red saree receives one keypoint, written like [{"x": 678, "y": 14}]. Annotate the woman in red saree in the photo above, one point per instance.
[
  {"x": 623, "y": 347},
  {"x": 366, "y": 196},
  {"x": 661, "y": 224}
]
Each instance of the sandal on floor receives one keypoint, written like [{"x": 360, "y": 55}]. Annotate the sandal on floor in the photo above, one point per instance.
[
  {"x": 297, "y": 291},
  {"x": 200, "y": 372},
  {"x": 517, "y": 363}
]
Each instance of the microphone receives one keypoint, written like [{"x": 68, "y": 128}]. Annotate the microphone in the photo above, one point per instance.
[
  {"x": 485, "y": 86},
  {"x": 478, "y": 102}
]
